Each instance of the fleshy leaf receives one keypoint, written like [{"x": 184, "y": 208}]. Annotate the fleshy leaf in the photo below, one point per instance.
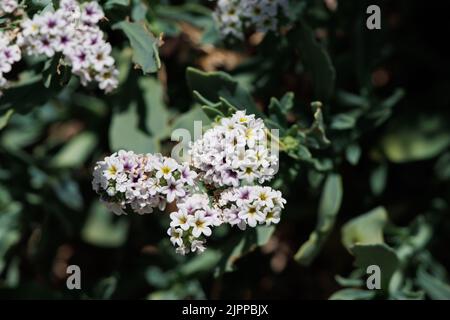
[
  {"x": 330, "y": 202},
  {"x": 365, "y": 229},
  {"x": 144, "y": 44}
]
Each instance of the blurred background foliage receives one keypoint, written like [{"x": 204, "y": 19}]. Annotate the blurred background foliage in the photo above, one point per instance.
[{"x": 365, "y": 172}]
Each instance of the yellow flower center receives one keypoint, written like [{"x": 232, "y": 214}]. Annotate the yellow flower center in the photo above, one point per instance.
[
  {"x": 199, "y": 223},
  {"x": 165, "y": 170},
  {"x": 112, "y": 169}
]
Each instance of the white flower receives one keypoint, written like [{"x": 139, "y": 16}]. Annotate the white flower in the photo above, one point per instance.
[
  {"x": 200, "y": 224},
  {"x": 213, "y": 215},
  {"x": 182, "y": 250},
  {"x": 114, "y": 167},
  {"x": 165, "y": 169},
  {"x": 187, "y": 175},
  {"x": 8, "y": 6},
  {"x": 102, "y": 57},
  {"x": 198, "y": 245},
  {"x": 107, "y": 79},
  {"x": 91, "y": 13},
  {"x": 272, "y": 216},
  {"x": 116, "y": 208},
  {"x": 252, "y": 215},
  {"x": 181, "y": 219},
  {"x": 264, "y": 197},
  {"x": 174, "y": 189},
  {"x": 176, "y": 236}
]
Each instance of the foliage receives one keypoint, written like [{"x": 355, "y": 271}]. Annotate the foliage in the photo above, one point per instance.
[{"x": 364, "y": 162}]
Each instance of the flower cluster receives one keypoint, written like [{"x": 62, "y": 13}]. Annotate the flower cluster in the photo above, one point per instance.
[
  {"x": 192, "y": 223},
  {"x": 134, "y": 182},
  {"x": 72, "y": 31},
  {"x": 9, "y": 54},
  {"x": 233, "y": 151},
  {"x": 8, "y": 6},
  {"x": 251, "y": 205},
  {"x": 228, "y": 160},
  {"x": 234, "y": 16}
]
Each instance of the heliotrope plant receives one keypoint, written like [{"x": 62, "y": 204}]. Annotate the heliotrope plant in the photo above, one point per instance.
[{"x": 219, "y": 185}]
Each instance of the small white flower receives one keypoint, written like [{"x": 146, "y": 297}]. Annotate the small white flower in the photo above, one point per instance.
[
  {"x": 198, "y": 245},
  {"x": 272, "y": 216},
  {"x": 165, "y": 169},
  {"x": 252, "y": 215},
  {"x": 176, "y": 236},
  {"x": 187, "y": 175},
  {"x": 92, "y": 13},
  {"x": 8, "y": 6},
  {"x": 181, "y": 219},
  {"x": 174, "y": 189},
  {"x": 200, "y": 224},
  {"x": 114, "y": 167},
  {"x": 116, "y": 208},
  {"x": 182, "y": 250}
]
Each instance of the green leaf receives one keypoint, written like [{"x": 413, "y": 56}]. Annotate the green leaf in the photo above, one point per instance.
[
  {"x": 211, "y": 86},
  {"x": 316, "y": 60},
  {"x": 101, "y": 230},
  {"x": 76, "y": 151},
  {"x": 9, "y": 225},
  {"x": 353, "y": 153},
  {"x": 353, "y": 294},
  {"x": 365, "y": 229},
  {"x": 354, "y": 280},
  {"x": 343, "y": 121},
  {"x": 109, "y": 4},
  {"x": 125, "y": 134},
  {"x": 434, "y": 287},
  {"x": 420, "y": 139},
  {"x": 331, "y": 198},
  {"x": 263, "y": 234},
  {"x": 187, "y": 119},
  {"x": 157, "y": 115},
  {"x": 68, "y": 192},
  {"x": 279, "y": 109},
  {"x": 4, "y": 119},
  {"x": 380, "y": 255},
  {"x": 106, "y": 288},
  {"x": 330, "y": 202},
  {"x": 23, "y": 96},
  {"x": 144, "y": 44},
  {"x": 202, "y": 263},
  {"x": 378, "y": 179}
]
